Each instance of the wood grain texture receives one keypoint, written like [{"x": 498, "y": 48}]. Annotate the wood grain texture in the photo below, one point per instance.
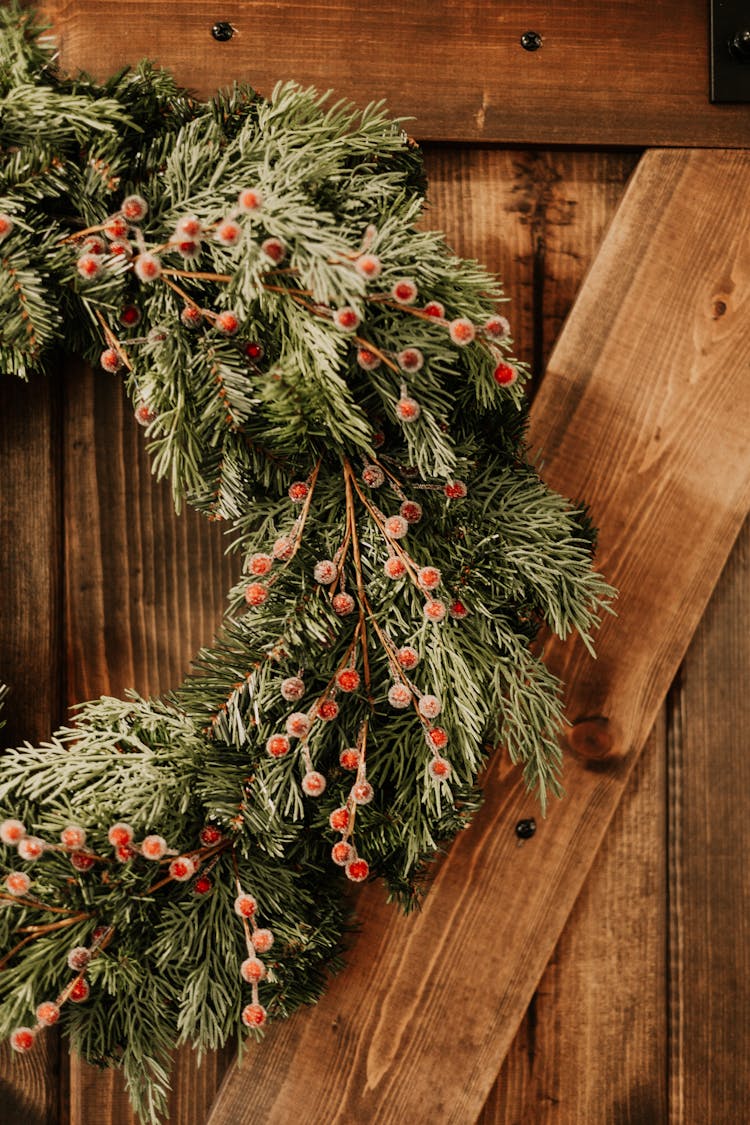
[
  {"x": 624, "y": 419},
  {"x": 144, "y": 589},
  {"x": 30, "y": 635},
  {"x": 608, "y": 73},
  {"x": 709, "y": 838}
]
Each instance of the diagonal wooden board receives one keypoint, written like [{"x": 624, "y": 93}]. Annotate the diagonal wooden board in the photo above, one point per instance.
[{"x": 645, "y": 411}]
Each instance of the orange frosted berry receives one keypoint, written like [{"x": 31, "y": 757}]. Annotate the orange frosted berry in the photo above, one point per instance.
[
  {"x": 245, "y": 905},
  {"x": 191, "y": 316},
  {"x": 17, "y": 882},
  {"x": 429, "y": 706},
  {"x": 456, "y": 490},
  {"x": 407, "y": 657},
  {"x": 182, "y": 868},
  {"x": 440, "y": 768},
  {"x": 458, "y": 610},
  {"x": 144, "y": 415},
  {"x": 325, "y": 572},
  {"x": 339, "y": 819},
  {"x": 228, "y": 323},
  {"x": 462, "y": 331},
  {"x": 367, "y": 360},
  {"x": 210, "y": 835},
  {"x": 6, "y": 226},
  {"x": 134, "y": 208},
  {"x": 342, "y": 853},
  {"x": 396, "y": 526},
  {"x": 411, "y": 511},
  {"x": 120, "y": 834},
  {"x": 48, "y": 1013},
  {"x": 298, "y": 724},
  {"x": 399, "y": 696},
  {"x": 348, "y": 679},
  {"x": 254, "y": 1015},
  {"x": 368, "y": 265},
  {"x": 116, "y": 227},
  {"x": 429, "y": 577},
  {"x": 298, "y": 490},
  {"x": 110, "y": 360},
  {"x": 292, "y": 689},
  {"x": 202, "y": 885},
  {"x": 22, "y": 1039},
  {"x": 434, "y": 610},
  {"x": 188, "y": 247},
  {"x": 435, "y": 309},
  {"x": 93, "y": 245},
  {"x": 362, "y": 792},
  {"x": 408, "y": 409},
  {"x": 259, "y": 564},
  {"x": 349, "y": 758},
  {"x": 228, "y": 232},
  {"x": 73, "y": 836},
  {"x": 11, "y": 831},
  {"x": 497, "y": 327},
  {"x": 30, "y": 847},
  {"x": 82, "y": 861},
  {"x": 342, "y": 604},
  {"x": 89, "y": 266},
  {"x": 80, "y": 991},
  {"x": 504, "y": 375},
  {"x": 78, "y": 958},
  {"x": 404, "y": 291},
  {"x": 120, "y": 246},
  {"x": 124, "y": 852},
  {"x": 394, "y": 567},
  {"x": 252, "y": 970},
  {"x": 147, "y": 267},
  {"x": 189, "y": 227},
  {"x": 256, "y": 594},
  {"x": 357, "y": 870},
  {"x": 373, "y": 476},
  {"x": 262, "y": 940},
  {"x": 328, "y": 710},
  {"x": 346, "y": 318},
  {"x": 437, "y": 737},
  {"x": 250, "y": 199},
  {"x": 274, "y": 249},
  {"x": 278, "y": 745},
  {"x": 411, "y": 359},
  {"x": 313, "y": 783},
  {"x": 154, "y": 847},
  {"x": 283, "y": 548}
]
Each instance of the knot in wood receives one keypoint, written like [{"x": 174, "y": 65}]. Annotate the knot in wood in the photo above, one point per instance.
[{"x": 592, "y": 738}]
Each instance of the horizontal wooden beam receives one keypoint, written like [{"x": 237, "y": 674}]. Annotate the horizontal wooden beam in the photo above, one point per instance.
[
  {"x": 609, "y": 72},
  {"x": 645, "y": 411}
]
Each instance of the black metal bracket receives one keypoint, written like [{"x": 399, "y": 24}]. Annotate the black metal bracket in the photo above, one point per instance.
[{"x": 730, "y": 50}]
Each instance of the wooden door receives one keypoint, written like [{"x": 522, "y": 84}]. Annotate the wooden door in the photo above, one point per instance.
[{"x": 626, "y": 1002}]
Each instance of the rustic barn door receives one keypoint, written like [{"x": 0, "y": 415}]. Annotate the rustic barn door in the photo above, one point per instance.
[{"x": 577, "y": 977}]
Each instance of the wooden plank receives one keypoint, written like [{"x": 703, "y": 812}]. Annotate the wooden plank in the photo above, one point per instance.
[
  {"x": 646, "y": 412},
  {"x": 30, "y": 647},
  {"x": 608, "y": 73},
  {"x": 708, "y": 840},
  {"x": 144, "y": 589},
  {"x": 593, "y": 1044}
]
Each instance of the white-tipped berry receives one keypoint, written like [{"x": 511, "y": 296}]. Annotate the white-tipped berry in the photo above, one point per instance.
[
  {"x": 411, "y": 359},
  {"x": 347, "y": 679},
  {"x": 440, "y": 768},
  {"x": 342, "y": 604},
  {"x": 357, "y": 870},
  {"x": 120, "y": 834},
  {"x": 250, "y": 199},
  {"x": 298, "y": 724},
  {"x": 434, "y": 610},
  {"x": 189, "y": 226},
  {"x": 78, "y": 958},
  {"x": 262, "y": 940},
  {"x": 458, "y": 610},
  {"x": 399, "y": 696},
  {"x": 245, "y": 905},
  {"x": 259, "y": 564},
  {"x": 182, "y": 868},
  {"x": 144, "y": 415},
  {"x": 22, "y": 1039},
  {"x": 110, "y": 360},
  {"x": 252, "y": 970},
  {"x": 497, "y": 327},
  {"x": 313, "y": 783},
  {"x": 188, "y": 247},
  {"x": 404, "y": 291},
  {"x": 283, "y": 548},
  {"x": 462, "y": 331},
  {"x": 437, "y": 738},
  {"x": 48, "y": 1013},
  {"x": 429, "y": 577},
  {"x": 505, "y": 375},
  {"x": 116, "y": 227},
  {"x": 373, "y": 476},
  {"x": 73, "y": 836},
  {"x": 327, "y": 710},
  {"x": 394, "y": 567},
  {"x": 292, "y": 689},
  {"x": 362, "y": 792},
  {"x": 120, "y": 246},
  {"x": 154, "y": 847},
  {"x": 93, "y": 245},
  {"x": 325, "y": 572},
  {"x": 30, "y": 847},
  {"x": 82, "y": 861},
  {"x": 429, "y": 706},
  {"x": 367, "y": 360},
  {"x": 89, "y": 266},
  {"x": 274, "y": 249},
  {"x": 255, "y": 594},
  {"x": 228, "y": 323},
  {"x": 347, "y": 318},
  {"x": 411, "y": 511},
  {"x": 349, "y": 758},
  {"x": 407, "y": 657},
  {"x": 147, "y": 267},
  {"x": 134, "y": 208},
  {"x": 11, "y": 831},
  {"x": 191, "y": 316},
  {"x": 254, "y": 1015},
  {"x": 228, "y": 232},
  {"x": 456, "y": 490},
  {"x": 80, "y": 991},
  {"x": 369, "y": 266},
  {"x": 6, "y": 226},
  {"x": 17, "y": 882},
  {"x": 341, "y": 853},
  {"x": 408, "y": 409},
  {"x": 298, "y": 491},
  {"x": 339, "y": 819},
  {"x": 278, "y": 746},
  {"x": 435, "y": 309},
  {"x": 396, "y": 527}
]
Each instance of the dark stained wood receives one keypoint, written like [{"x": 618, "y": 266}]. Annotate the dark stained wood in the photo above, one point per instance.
[
  {"x": 609, "y": 72},
  {"x": 144, "y": 589},
  {"x": 709, "y": 839},
  {"x": 30, "y": 637},
  {"x": 622, "y": 418}
]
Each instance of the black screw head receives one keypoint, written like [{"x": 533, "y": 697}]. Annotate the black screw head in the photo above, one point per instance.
[
  {"x": 531, "y": 40},
  {"x": 222, "y": 31},
  {"x": 739, "y": 45},
  {"x": 525, "y": 829}
]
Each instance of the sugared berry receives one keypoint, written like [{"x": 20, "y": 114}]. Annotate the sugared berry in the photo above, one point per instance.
[
  {"x": 440, "y": 768},
  {"x": 346, "y": 318},
  {"x": 313, "y": 783},
  {"x": 256, "y": 593},
  {"x": 144, "y": 415},
  {"x": 349, "y": 758},
  {"x": 116, "y": 227},
  {"x": 429, "y": 577},
  {"x": 328, "y": 710},
  {"x": 373, "y": 476},
  {"x": 22, "y": 1039},
  {"x": 120, "y": 246},
  {"x": 497, "y": 327},
  {"x": 134, "y": 208},
  {"x": 110, "y": 360},
  {"x": 462, "y": 331},
  {"x": 154, "y": 847},
  {"x": 259, "y": 564},
  {"x": 435, "y": 309},
  {"x": 394, "y": 567},
  {"x": 429, "y": 706},
  {"x": 252, "y": 970},
  {"x": 298, "y": 490},
  {"x": 367, "y": 360},
  {"x": 202, "y": 885},
  {"x": 437, "y": 737},
  {"x": 93, "y": 245},
  {"x": 210, "y": 835},
  {"x": 6, "y": 226},
  {"x": 11, "y": 831},
  {"x": 254, "y": 1015},
  {"x": 341, "y": 853},
  {"x": 120, "y": 834},
  {"x": 404, "y": 291},
  {"x": 48, "y": 1013},
  {"x": 278, "y": 745},
  {"x": 283, "y": 548},
  {"x": 396, "y": 527},
  {"x": 411, "y": 359},
  {"x": 228, "y": 232},
  {"x": 89, "y": 266},
  {"x": 342, "y": 604},
  {"x": 348, "y": 679},
  {"x": 124, "y": 853},
  {"x": 325, "y": 572},
  {"x": 189, "y": 226},
  {"x": 407, "y": 657},
  {"x": 362, "y": 792},
  {"x": 434, "y": 609},
  {"x": 458, "y": 610},
  {"x": 30, "y": 847},
  {"x": 245, "y": 905},
  {"x": 79, "y": 958},
  {"x": 456, "y": 490},
  {"x": 188, "y": 247},
  {"x": 504, "y": 375},
  {"x": 228, "y": 323},
  {"x": 262, "y": 940},
  {"x": 408, "y": 409},
  {"x": 357, "y": 870},
  {"x": 368, "y": 265},
  {"x": 191, "y": 316},
  {"x": 129, "y": 316},
  {"x": 82, "y": 861},
  {"x": 80, "y": 991},
  {"x": 298, "y": 724},
  {"x": 182, "y": 868},
  {"x": 274, "y": 249},
  {"x": 292, "y": 689},
  {"x": 17, "y": 882},
  {"x": 147, "y": 267},
  {"x": 254, "y": 351},
  {"x": 411, "y": 511},
  {"x": 339, "y": 819},
  {"x": 73, "y": 836},
  {"x": 399, "y": 696},
  {"x": 250, "y": 199}
]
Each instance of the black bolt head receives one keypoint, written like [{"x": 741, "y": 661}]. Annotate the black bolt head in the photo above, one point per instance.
[
  {"x": 526, "y": 828},
  {"x": 531, "y": 40},
  {"x": 222, "y": 31}
]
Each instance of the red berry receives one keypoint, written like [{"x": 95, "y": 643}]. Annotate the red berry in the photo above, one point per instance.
[
  {"x": 245, "y": 905},
  {"x": 399, "y": 696},
  {"x": 93, "y": 245},
  {"x": 348, "y": 679},
  {"x": 440, "y": 768},
  {"x": 292, "y": 689},
  {"x": 274, "y": 249},
  {"x": 259, "y": 564},
  {"x": 116, "y": 227},
  {"x": 89, "y": 266},
  {"x": 404, "y": 291},
  {"x": 80, "y": 991},
  {"x": 339, "y": 819},
  {"x": 325, "y": 572},
  {"x": 6, "y": 226},
  {"x": 396, "y": 527},
  {"x": 373, "y": 476},
  {"x": 254, "y": 351},
  {"x": 343, "y": 604},
  {"x": 458, "y": 610},
  {"x": 22, "y": 1039},
  {"x": 254, "y": 1015},
  {"x": 228, "y": 232},
  {"x": 411, "y": 359},
  {"x": 182, "y": 868},
  {"x": 120, "y": 246},
  {"x": 408, "y": 409},
  {"x": 228, "y": 323},
  {"x": 298, "y": 724},
  {"x": 394, "y": 567},
  {"x": 30, "y": 847},
  {"x": 328, "y": 710},
  {"x": 82, "y": 861},
  {"x": 130, "y": 316},
  {"x": 429, "y": 706},
  {"x": 48, "y": 1013},
  {"x": 434, "y": 610},
  {"x": 134, "y": 208},
  {"x": 497, "y": 327},
  {"x": 144, "y": 415},
  {"x": 434, "y": 308},
  {"x": 505, "y": 375},
  {"x": 256, "y": 594},
  {"x": 147, "y": 267},
  {"x": 278, "y": 745},
  {"x": 349, "y": 758},
  {"x": 429, "y": 577},
  {"x": 456, "y": 490},
  {"x": 202, "y": 885},
  {"x": 252, "y": 970},
  {"x": 262, "y": 940},
  {"x": 283, "y": 548},
  {"x": 411, "y": 511},
  {"x": 210, "y": 835},
  {"x": 462, "y": 331},
  {"x": 368, "y": 265},
  {"x": 367, "y": 360},
  {"x": 17, "y": 882},
  {"x": 110, "y": 360},
  {"x": 189, "y": 227},
  {"x": 347, "y": 319},
  {"x": 191, "y": 316},
  {"x": 188, "y": 247},
  {"x": 154, "y": 848},
  {"x": 11, "y": 831},
  {"x": 357, "y": 870},
  {"x": 298, "y": 490},
  {"x": 342, "y": 853},
  {"x": 78, "y": 958},
  {"x": 437, "y": 737},
  {"x": 124, "y": 852},
  {"x": 407, "y": 657},
  {"x": 313, "y": 783},
  {"x": 250, "y": 199},
  {"x": 362, "y": 792}
]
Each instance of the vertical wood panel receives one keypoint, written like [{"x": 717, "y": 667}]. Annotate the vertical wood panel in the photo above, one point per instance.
[
  {"x": 30, "y": 648},
  {"x": 144, "y": 589},
  {"x": 709, "y": 841}
]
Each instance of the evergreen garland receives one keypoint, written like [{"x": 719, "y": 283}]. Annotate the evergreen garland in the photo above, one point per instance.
[{"x": 330, "y": 380}]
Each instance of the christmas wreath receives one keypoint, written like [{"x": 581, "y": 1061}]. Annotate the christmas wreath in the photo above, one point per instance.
[{"x": 324, "y": 375}]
